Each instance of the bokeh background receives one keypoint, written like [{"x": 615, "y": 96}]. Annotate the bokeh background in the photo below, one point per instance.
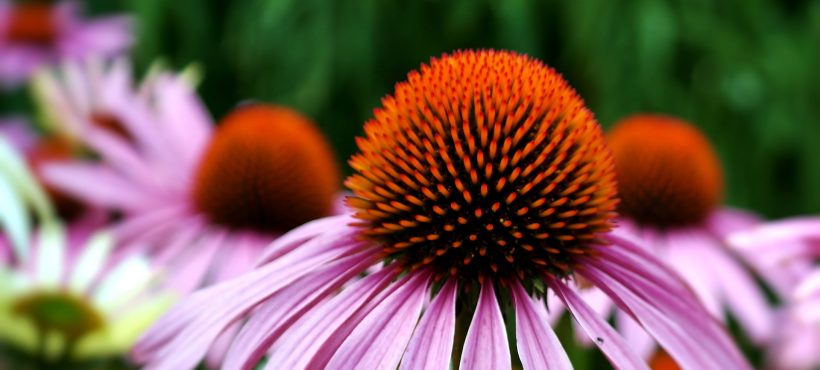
[{"x": 745, "y": 71}]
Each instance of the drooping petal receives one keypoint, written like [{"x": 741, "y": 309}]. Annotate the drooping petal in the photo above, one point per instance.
[
  {"x": 685, "y": 253},
  {"x": 773, "y": 233},
  {"x": 432, "y": 344},
  {"x": 635, "y": 335},
  {"x": 379, "y": 340},
  {"x": 538, "y": 346},
  {"x": 652, "y": 294},
  {"x": 486, "y": 347},
  {"x": 269, "y": 320},
  {"x": 610, "y": 343},
  {"x": 99, "y": 186},
  {"x": 228, "y": 302},
  {"x": 314, "y": 329},
  {"x": 742, "y": 295}
]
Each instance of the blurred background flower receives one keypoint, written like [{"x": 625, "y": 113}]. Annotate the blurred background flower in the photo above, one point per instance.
[{"x": 39, "y": 32}]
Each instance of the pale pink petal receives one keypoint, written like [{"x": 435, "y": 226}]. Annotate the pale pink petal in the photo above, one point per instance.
[
  {"x": 331, "y": 227},
  {"x": 379, "y": 340},
  {"x": 742, "y": 295},
  {"x": 236, "y": 298},
  {"x": 187, "y": 123},
  {"x": 219, "y": 349},
  {"x": 610, "y": 343},
  {"x": 432, "y": 344},
  {"x": 486, "y": 347},
  {"x": 135, "y": 227},
  {"x": 303, "y": 341},
  {"x": 687, "y": 253},
  {"x": 271, "y": 318},
  {"x": 98, "y": 186},
  {"x": 538, "y": 346},
  {"x": 641, "y": 286},
  {"x": 725, "y": 221},
  {"x": 778, "y": 232},
  {"x": 107, "y": 36},
  {"x": 635, "y": 335},
  {"x": 120, "y": 155},
  {"x": 190, "y": 271},
  {"x": 599, "y": 302}
]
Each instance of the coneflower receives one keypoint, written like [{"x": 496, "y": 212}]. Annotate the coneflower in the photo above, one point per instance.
[
  {"x": 202, "y": 201},
  {"x": 64, "y": 299},
  {"x": 34, "y": 33},
  {"x": 670, "y": 183},
  {"x": 481, "y": 183}
]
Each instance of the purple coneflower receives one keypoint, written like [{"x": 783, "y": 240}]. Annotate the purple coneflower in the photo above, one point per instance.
[
  {"x": 202, "y": 201},
  {"x": 670, "y": 184},
  {"x": 481, "y": 183},
  {"x": 34, "y": 33}
]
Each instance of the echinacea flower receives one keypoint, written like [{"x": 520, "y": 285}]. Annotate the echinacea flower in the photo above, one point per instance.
[
  {"x": 670, "y": 184},
  {"x": 34, "y": 33},
  {"x": 63, "y": 299},
  {"x": 481, "y": 183},
  {"x": 202, "y": 202}
]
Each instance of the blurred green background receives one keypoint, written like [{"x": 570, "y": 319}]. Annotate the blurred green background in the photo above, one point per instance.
[{"x": 743, "y": 70}]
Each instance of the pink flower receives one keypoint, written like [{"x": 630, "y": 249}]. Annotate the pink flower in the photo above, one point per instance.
[
  {"x": 481, "y": 184},
  {"x": 670, "y": 183},
  {"x": 202, "y": 202},
  {"x": 33, "y": 34}
]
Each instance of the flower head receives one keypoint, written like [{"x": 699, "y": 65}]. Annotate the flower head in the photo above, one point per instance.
[
  {"x": 64, "y": 297},
  {"x": 484, "y": 165},
  {"x": 203, "y": 202},
  {"x": 267, "y": 168},
  {"x": 36, "y": 33},
  {"x": 668, "y": 173},
  {"x": 482, "y": 183}
]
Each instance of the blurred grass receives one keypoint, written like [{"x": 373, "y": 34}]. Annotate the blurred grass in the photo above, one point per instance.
[{"x": 744, "y": 71}]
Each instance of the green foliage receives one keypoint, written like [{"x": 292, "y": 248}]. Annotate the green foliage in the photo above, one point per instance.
[{"x": 742, "y": 70}]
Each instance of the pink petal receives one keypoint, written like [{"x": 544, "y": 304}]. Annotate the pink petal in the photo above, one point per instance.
[
  {"x": 685, "y": 253},
  {"x": 725, "y": 221},
  {"x": 332, "y": 229},
  {"x": 778, "y": 232},
  {"x": 611, "y": 344},
  {"x": 188, "y": 275},
  {"x": 486, "y": 346},
  {"x": 635, "y": 335},
  {"x": 98, "y": 186},
  {"x": 379, "y": 340},
  {"x": 282, "y": 309},
  {"x": 432, "y": 344},
  {"x": 202, "y": 319},
  {"x": 187, "y": 123},
  {"x": 300, "y": 344},
  {"x": 742, "y": 295},
  {"x": 538, "y": 346},
  {"x": 635, "y": 280}
]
